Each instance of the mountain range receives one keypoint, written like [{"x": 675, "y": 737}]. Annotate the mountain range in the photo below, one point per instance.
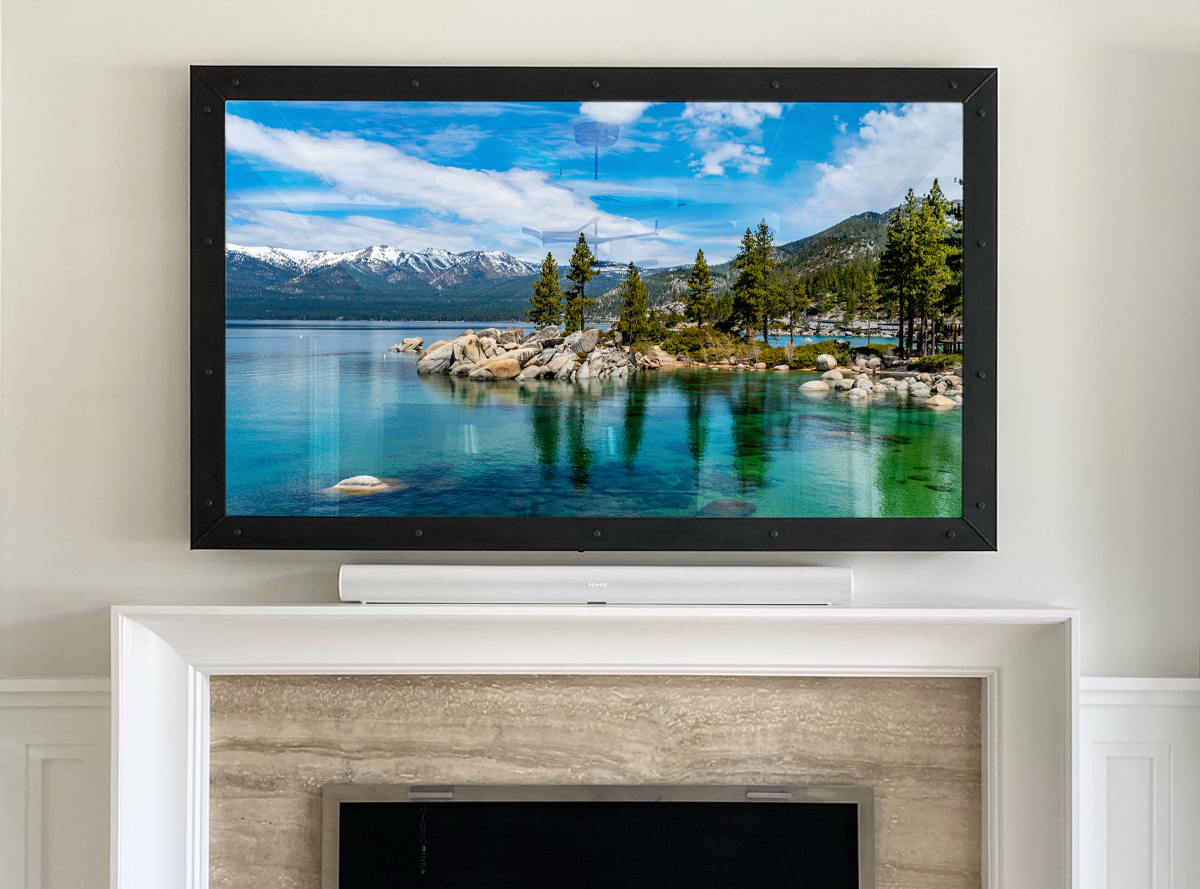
[{"x": 389, "y": 283}]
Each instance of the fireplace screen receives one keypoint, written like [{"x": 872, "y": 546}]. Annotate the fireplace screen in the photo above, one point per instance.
[{"x": 636, "y": 837}]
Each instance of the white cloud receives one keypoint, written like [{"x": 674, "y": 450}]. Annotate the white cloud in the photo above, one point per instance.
[
  {"x": 744, "y": 158},
  {"x": 300, "y": 199},
  {"x": 300, "y": 231},
  {"x": 614, "y": 112},
  {"x": 453, "y": 141},
  {"x": 727, "y": 132},
  {"x": 714, "y": 117},
  {"x": 374, "y": 170},
  {"x": 894, "y": 149}
]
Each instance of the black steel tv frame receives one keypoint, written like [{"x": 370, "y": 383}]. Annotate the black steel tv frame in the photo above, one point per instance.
[{"x": 213, "y": 528}]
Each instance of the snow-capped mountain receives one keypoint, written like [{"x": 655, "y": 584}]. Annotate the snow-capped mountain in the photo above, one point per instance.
[
  {"x": 384, "y": 283},
  {"x": 278, "y": 269}
]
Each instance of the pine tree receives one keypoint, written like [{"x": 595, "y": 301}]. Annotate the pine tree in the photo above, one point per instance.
[
  {"x": 545, "y": 306},
  {"x": 897, "y": 266},
  {"x": 870, "y": 302},
  {"x": 582, "y": 269},
  {"x": 795, "y": 302},
  {"x": 756, "y": 289},
  {"x": 933, "y": 272},
  {"x": 699, "y": 301},
  {"x": 634, "y": 305}
]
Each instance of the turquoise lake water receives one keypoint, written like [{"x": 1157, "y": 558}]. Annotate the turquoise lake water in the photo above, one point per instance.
[{"x": 310, "y": 403}]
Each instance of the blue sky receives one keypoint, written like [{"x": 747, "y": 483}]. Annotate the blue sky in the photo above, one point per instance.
[{"x": 515, "y": 176}]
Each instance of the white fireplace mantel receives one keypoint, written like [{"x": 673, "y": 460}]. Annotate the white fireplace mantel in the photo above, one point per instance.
[{"x": 163, "y": 656}]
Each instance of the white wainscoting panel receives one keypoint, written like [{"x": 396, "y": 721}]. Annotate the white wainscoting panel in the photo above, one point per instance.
[
  {"x": 1140, "y": 799},
  {"x": 54, "y": 783}
]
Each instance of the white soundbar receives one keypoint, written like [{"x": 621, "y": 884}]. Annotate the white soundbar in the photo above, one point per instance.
[{"x": 617, "y": 585}]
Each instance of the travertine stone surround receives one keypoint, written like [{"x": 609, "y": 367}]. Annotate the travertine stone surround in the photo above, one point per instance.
[{"x": 277, "y": 740}]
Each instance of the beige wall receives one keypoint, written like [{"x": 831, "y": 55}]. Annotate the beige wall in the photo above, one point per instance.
[{"x": 1099, "y": 288}]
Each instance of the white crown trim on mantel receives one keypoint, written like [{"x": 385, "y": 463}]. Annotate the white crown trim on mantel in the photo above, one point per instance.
[{"x": 163, "y": 656}]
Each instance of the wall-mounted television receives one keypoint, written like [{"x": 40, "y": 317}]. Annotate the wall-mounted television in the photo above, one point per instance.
[{"x": 593, "y": 309}]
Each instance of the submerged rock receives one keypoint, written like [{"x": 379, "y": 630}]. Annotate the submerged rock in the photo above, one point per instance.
[
  {"x": 815, "y": 386},
  {"x": 731, "y": 509},
  {"x": 361, "y": 484},
  {"x": 940, "y": 401}
]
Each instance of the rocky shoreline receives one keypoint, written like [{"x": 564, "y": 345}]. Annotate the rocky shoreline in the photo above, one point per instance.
[
  {"x": 866, "y": 378},
  {"x": 494, "y": 354}
]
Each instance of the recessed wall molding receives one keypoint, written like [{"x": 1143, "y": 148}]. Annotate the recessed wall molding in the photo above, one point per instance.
[
  {"x": 54, "y": 774},
  {"x": 1140, "y": 787}
]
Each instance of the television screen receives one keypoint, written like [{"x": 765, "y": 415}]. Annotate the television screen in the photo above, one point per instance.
[{"x": 527, "y": 310}]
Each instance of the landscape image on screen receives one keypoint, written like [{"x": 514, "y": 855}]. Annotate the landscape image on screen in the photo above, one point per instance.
[{"x": 618, "y": 309}]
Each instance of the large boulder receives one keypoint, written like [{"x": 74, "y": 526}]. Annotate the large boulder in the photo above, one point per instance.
[
  {"x": 467, "y": 348},
  {"x": 831, "y": 375},
  {"x": 826, "y": 362},
  {"x": 857, "y": 393},
  {"x": 582, "y": 340},
  {"x": 492, "y": 333},
  {"x": 432, "y": 346},
  {"x": 863, "y": 383},
  {"x": 874, "y": 362},
  {"x": 815, "y": 386},
  {"x": 939, "y": 401},
  {"x": 543, "y": 333},
  {"x": 437, "y": 360},
  {"x": 499, "y": 369},
  {"x": 524, "y": 354},
  {"x": 568, "y": 368},
  {"x": 512, "y": 335},
  {"x": 781, "y": 367},
  {"x": 560, "y": 361},
  {"x": 410, "y": 344}
]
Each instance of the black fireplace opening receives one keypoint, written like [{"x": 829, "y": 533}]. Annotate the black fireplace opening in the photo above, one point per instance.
[{"x": 440, "y": 840}]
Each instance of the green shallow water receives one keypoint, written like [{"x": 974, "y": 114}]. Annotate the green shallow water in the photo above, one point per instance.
[{"x": 665, "y": 444}]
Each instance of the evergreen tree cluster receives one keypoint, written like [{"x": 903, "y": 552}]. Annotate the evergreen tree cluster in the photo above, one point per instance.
[
  {"x": 916, "y": 279},
  {"x": 920, "y": 271}
]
